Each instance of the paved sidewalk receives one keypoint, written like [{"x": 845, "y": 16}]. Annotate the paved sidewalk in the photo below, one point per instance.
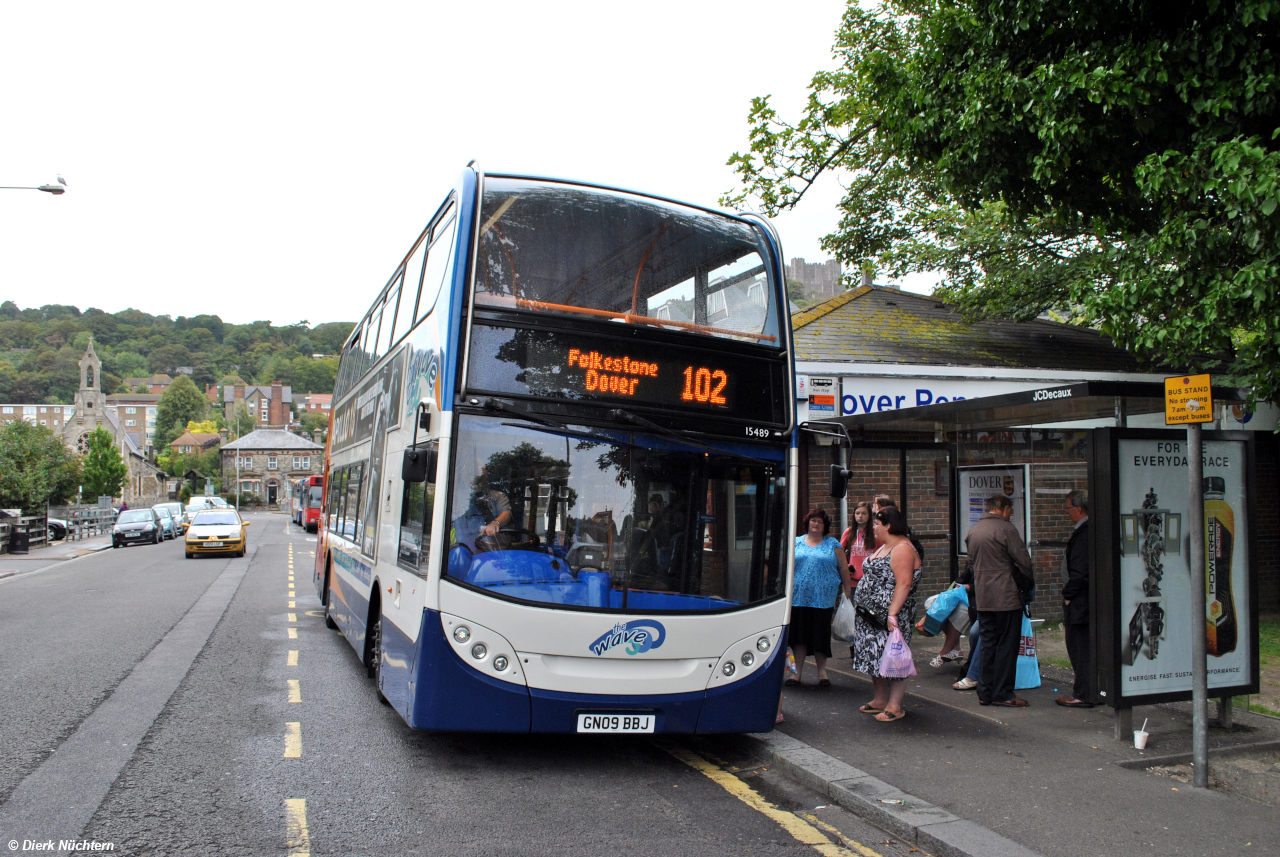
[
  {"x": 13, "y": 565},
  {"x": 1046, "y": 778}
]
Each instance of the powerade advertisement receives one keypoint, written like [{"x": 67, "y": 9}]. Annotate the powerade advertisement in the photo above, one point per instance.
[{"x": 1156, "y": 621}]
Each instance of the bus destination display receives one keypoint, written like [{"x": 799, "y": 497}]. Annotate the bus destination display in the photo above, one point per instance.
[{"x": 576, "y": 366}]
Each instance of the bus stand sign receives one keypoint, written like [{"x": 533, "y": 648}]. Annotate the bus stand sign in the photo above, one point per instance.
[{"x": 1188, "y": 399}]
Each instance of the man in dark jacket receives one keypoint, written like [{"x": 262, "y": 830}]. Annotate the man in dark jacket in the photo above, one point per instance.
[
  {"x": 1075, "y": 600},
  {"x": 994, "y": 548}
]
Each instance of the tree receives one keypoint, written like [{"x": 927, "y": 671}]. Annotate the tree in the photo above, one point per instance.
[
  {"x": 311, "y": 420},
  {"x": 104, "y": 469},
  {"x": 203, "y": 427},
  {"x": 180, "y": 403},
  {"x": 1115, "y": 161},
  {"x": 244, "y": 422},
  {"x": 36, "y": 468}
]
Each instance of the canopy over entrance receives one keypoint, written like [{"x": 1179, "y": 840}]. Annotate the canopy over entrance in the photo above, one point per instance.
[{"x": 1088, "y": 400}]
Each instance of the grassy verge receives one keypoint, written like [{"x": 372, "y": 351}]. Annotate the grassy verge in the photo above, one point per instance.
[{"x": 1268, "y": 702}]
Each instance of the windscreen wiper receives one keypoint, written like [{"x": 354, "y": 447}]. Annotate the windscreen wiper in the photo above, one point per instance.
[
  {"x": 492, "y": 404},
  {"x": 635, "y": 419}
]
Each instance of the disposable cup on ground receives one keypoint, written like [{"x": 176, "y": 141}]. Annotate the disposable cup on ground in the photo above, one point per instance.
[{"x": 1140, "y": 739}]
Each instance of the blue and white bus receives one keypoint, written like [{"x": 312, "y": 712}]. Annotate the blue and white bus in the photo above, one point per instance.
[{"x": 561, "y": 472}]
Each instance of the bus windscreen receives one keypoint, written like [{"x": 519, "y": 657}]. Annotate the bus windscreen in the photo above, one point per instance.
[
  {"x": 613, "y": 520},
  {"x": 569, "y": 250}
]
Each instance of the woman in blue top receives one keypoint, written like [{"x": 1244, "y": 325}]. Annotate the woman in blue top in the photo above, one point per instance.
[{"x": 821, "y": 569}]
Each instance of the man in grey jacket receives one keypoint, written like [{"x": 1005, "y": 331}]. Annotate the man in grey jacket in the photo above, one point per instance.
[{"x": 994, "y": 547}]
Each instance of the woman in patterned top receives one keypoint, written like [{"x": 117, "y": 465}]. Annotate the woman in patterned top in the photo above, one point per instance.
[
  {"x": 821, "y": 569},
  {"x": 888, "y": 589}
]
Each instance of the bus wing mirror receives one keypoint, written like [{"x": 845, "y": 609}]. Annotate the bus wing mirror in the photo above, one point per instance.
[
  {"x": 418, "y": 464},
  {"x": 839, "y": 481}
]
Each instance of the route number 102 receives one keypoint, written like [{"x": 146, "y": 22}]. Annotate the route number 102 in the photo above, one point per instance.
[{"x": 703, "y": 385}]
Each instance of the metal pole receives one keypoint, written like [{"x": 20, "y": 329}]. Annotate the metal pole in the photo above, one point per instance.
[
  {"x": 844, "y": 501},
  {"x": 1199, "y": 644}
]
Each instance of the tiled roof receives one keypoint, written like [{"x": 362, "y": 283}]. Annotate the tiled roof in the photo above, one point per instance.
[
  {"x": 201, "y": 439},
  {"x": 873, "y": 325},
  {"x": 268, "y": 439},
  {"x": 258, "y": 390}
]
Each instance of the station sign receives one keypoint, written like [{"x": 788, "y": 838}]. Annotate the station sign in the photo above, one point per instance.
[{"x": 1188, "y": 399}]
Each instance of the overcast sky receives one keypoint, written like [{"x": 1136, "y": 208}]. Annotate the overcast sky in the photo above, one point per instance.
[{"x": 275, "y": 160}]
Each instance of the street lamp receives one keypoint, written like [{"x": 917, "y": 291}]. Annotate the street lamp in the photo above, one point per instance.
[{"x": 55, "y": 189}]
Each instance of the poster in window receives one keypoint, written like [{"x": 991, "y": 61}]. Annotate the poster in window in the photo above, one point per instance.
[{"x": 976, "y": 484}]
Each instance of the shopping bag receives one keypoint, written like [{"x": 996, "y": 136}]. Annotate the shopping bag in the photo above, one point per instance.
[
  {"x": 792, "y": 672},
  {"x": 842, "y": 622},
  {"x": 1028, "y": 674},
  {"x": 896, "y": 661},
  {"x": 940, "y": 607}
]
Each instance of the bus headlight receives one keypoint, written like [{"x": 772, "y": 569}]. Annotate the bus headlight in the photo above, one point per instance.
[
  {"x": 462, "y": 633},
  {"x": 479, "y": 651},
  {"x": 728, "y": 668},
  {"x": 748, "y": 659},
  {"x": 763, "y": 644},
  {"x": 500, "y": 663}
]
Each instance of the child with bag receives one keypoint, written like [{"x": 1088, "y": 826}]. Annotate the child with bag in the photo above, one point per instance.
[{"x": 946, "y": 612}]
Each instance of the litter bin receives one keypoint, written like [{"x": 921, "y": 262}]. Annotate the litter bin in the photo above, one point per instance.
[{"x": 19, "y": 541}]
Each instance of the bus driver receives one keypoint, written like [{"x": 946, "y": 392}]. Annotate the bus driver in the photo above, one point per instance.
[{"x": 488, "y": 511}]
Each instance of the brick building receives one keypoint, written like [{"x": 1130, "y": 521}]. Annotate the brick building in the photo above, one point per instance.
[
  {"x": 137, "y": 415},
  {"x": 873, "y": 351},
  {"x": 271, "y": 406},
  {"x": 269, "y": 462},
  {"x": 190, "y": 443}
]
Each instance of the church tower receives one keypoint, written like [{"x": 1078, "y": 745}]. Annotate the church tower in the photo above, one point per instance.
[{"x": 90, "y": 404}]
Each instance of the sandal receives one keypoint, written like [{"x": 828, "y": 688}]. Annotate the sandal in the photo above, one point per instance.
[
  {"x": 868, "y": 709},
  {"x": 965, "y": 683},
  {"x": 780, "y": 718},
  {"x": 889, "y": 716},
  {"x": 942, "y": 660}
]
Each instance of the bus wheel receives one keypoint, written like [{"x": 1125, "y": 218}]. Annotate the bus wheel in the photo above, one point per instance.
[{"x": 375, "y": 654}]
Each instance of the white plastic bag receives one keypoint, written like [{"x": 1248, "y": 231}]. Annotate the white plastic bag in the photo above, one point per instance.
[
  {"x": 842, "y": 622},
  {"x": 896, "y": 661}
]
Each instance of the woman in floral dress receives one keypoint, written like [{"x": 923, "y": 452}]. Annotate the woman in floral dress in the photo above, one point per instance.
[{"x": 890, "y": 577}]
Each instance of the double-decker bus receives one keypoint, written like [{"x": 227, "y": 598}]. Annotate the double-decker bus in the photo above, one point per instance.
[
  {"x": 307, "y": 501},
  {"x": 561, "y": 471}
]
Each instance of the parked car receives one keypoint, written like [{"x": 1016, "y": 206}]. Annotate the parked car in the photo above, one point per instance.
[
  {"x": 135, "y": 526},
  {"x": 168, "y": 526},
  {"x": 217, "y": 531},
  {"x": 57, "y": 529},
  {"x": 176, "y": 510}
]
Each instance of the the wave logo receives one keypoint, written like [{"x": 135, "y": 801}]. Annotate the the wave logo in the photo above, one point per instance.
[{"x": 639, "y": 636}]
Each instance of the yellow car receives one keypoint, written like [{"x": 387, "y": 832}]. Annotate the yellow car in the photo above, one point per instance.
[{"x": 217, "y": 531}]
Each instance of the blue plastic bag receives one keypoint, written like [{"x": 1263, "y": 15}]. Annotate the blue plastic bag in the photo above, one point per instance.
[
  {"x": 1028, "y": 674},
  {"x": 944, "y": 604}
]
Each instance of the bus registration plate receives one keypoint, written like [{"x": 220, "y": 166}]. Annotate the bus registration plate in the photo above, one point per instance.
[{"x": 615, "y": 722}]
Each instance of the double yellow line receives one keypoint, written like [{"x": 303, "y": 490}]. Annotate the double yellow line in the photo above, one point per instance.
[
  {"x": 807, "y": 830},
  {"x": 297, "y": 837}
]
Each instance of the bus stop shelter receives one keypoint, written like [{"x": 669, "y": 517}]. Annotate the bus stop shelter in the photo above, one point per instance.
[{"x": 941, "y": 462}]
